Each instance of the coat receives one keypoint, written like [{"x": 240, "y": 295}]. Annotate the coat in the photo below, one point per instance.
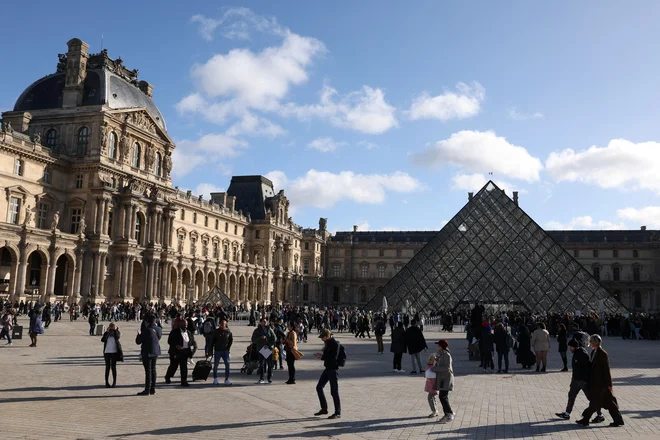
[
  {"x": 148, "y": 339},
  {"x": 116, "y": 334},
  {"x": 444, "y": 379},
  {"x": 398, "y": 341},
  {"x": 499, "y": 337},
  {"x": 270, "y": 340},
  {"x": 541, "y": 340},
  {"x": 562, "y": 340},
  {"x": 415, "y": 341},
  {"x": 580, "y": 365},
  {"x": 601, "y": 381},
  {"x": 175, "y": 339}
]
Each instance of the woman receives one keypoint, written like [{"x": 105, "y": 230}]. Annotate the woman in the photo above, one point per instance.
[
  {"x": 8, "y": 325},
  {"x": 541, "y": 344},
  {"x": 112, "y": 353},
  {"x": 502, "y": 347},
  {"x": 36, "y": 327},
  {"x": 562, "y": 340},
  {"x": 444, "y": 379},
  {"x": 183, "y": 346},
  {"x": 291, "y": 345},
  {"x": 524, "y": 355},
  {"x": 398, "y": 346}
]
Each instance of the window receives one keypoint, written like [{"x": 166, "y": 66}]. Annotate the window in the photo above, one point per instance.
[
  {"x": 215, "y": 250},
  {"x": 217, "y": 224},
  {"x": 257, "y": 234},
  {"x": 335, "y": 252},
  {"x": 638, "y": 299},
  {"x": 51, "y": 138},
  {"x": 398, "y": 252},
  {"x": 226, "y": 226},
  {"x": 194, "y": 217},
  {"x": 306, "y": 246},
  {"x": 235, "y": 254},
  {"x": 180, "y": 243},
  {"x": 205, "y": 248},
  {"x": 616, "y": 273},
  {"x": 42, "y": 216},
  {"x": 365, "y": 253},
  {"x": 615, "y": 253},
  {"x": 363, "y": 294},
  {"x": 225, "y": 252},
  {"x": 79, "y": 181},
  {"x": 193, "y": 245},
  {"x": 576, "y": 253},
  {"x": 14, "y": 210},
  {"x": 109, "y": 232},
  {"x": 305, "y": 292},
  {"x": 83, "y": 141},
  {"x": 636, "y": 276},
  {"x": 183, "y": 214},
  {"x": 112, "y": 145},
  {"x": 381, "y": 271},
  {"x": 235, "y": 229},
  {"x": 335, "y": 294},
  {"x": 381, "y": 252},
  {"x": 46, "y": 178},
  {"x": 18, "y": 167},
  {"x": 206, "y": 221},
  {"x": 158, "y": 164},
  {"x": 76, "y": 213},
  {"x": 137, "y": 151},
  {"x": 595, "y": 253},
  {"x": 306, "y": 266},
  {"x": 635, "y": 253},
  {"x": 364, "y": 271},
  {"x": 138, "y": 229},
  {"x": 596, "y": 270},
  {"x": 243, "y": 232},
  {"x": 336, "y": 270}
]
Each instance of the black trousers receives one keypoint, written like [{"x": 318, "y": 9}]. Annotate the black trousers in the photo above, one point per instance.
[
  {"x": 182, "y": 359},
  {"x": 444, "y": 401},
  {"x": 149, "y": 364},
  {"x": 174, "y": 365},
  {"x": 111, "y": 364},
  {"x": 397, "y": 361},
  {"x": 331, "y": 376},
  {"x": 595, "y": 403},
  {"x": 290, "y": 364}
]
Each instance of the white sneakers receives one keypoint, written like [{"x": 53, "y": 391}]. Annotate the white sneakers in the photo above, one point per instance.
[
  {"x": 215, "y": 382},
  {"x": 399, "y": 371},
  {"x": 227, "y": 382},
  {"x": 447, "y": 418},
  {"x": 432, "y": 415}
]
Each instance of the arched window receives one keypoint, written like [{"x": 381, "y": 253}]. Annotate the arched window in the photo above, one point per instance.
[
  {"x": 637, "y": 297},
  {"x": 83, "y": 141},
  {"x": 138, "y": 229},
  {"x": 158, "y": 164},
  {"x": 137, "y": 151},
  {"x": 51, "y": 138},
  {"x": 112, "y": 145}
]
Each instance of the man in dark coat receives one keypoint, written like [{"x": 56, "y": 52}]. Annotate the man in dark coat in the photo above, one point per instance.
[
  {"x": 149, "y": 338},
  {"x": 601, "y": 386},
  {"x": 398, "y": 346},
  {"x": 415, "y": 343}
]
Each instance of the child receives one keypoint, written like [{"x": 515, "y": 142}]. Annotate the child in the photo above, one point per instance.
[{"x": 430, "y": 385}]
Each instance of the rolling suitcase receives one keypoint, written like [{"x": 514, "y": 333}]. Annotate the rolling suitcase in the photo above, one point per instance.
[
  {"x": 100, "y": 329},
  {"x": 201, "y": 370}
]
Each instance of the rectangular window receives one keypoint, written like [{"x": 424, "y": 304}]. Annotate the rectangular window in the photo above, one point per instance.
[
  {"x": 597, "y": 273},
  {"x": 595, "y": 253},
  {"x": 205, "y": 248},
  {"x": 576, "y": 253},
  {"x": 306, "y": 246},
  {"x": 14, "y": 210},
  {"x": 381, "y": 252},
  {"x": 193, "y": 246},
  {"x": 365, "y": 253},
  {"x": 183, "y": 214},
  {"x": 381, "y": 271},
  {"x": 398, "y": 252},
  {"x": 79, "y": 181},
  {"x": 635, "y": 253},
  {"x": 243, "y": 232},
  {"x": 364, "y": 271},
  {"x": 306, "y": 266},
  {"x": 257, "y": 234},
  {"x": 42, "y": 216},
  {"x": 235, "y": 256},
  {"x": 217, "y": 224},
  {"x": 206, "y": 221},
  {"x": 109, "y": 231},
  {"x": 194, "y": 217},
  {"x": 76, "y": 213},
  {"x": 180, "y": 243},
  {"x": 336, "y": 271},
  {"x": 18, "y": 167},
  {"x": 636, "y": 276},
  {"x": 615, "y": 253},
  {"x": 616, "y": 273},
  {"x": 215, "y": 250},
  {"x": 335, "y": 252},
  {"x": 305, "y": 292},
  {"x": 235, "y": 229},
  {"x": 226, "y": 226},
  {"x": 335, "y": 294}
]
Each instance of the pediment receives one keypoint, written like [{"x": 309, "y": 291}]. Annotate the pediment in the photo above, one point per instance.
[
  {"x": 46, "y": 197},
  {"x": 17, "y": 189},
  {"x": 140, "y": 118},
  {"x": 74, "y": 201}
]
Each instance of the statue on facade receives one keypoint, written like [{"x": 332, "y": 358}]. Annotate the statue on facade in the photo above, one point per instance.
[
  {"x": 104, "y": 137},
  {"x": 82, "y": 226},
  {"x": 153, "y": 193},
  {"x": 167, "y": 164},
  {"x": 124, "y": 147},
  {"x": 323, "y": 223},
  {"x": 6, "y": 127},
  {"x": 35, "y": 138},
  {"x": 56, "y": 220},
  {"x": 61, "y": 64},
  {"x": 28, "y": 215},
  {"x": 149, "y": 156}
]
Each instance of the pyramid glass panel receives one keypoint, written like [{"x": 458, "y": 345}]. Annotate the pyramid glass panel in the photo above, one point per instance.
[{"x": 494, "y": 253}]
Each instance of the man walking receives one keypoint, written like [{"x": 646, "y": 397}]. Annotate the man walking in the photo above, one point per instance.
[
  {"x": 379, "y": 331},
  {"x": 221, "y": 342},
  {"x": 330, "y": 374},
  {"x": 415, "y": 343},
  {"x": 263, "y": 336},
  {"x": 148, "y": 338}
]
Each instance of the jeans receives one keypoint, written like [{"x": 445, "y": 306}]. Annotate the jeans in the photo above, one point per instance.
[
  {"x": 505, "y": 355},
  {"x": 414, "y": 356},
  {"x": 149, "y": 364},
  {"x": 91, "y": 329},
  {"x": 444, "y": 401},
  {"x": 110, "y": 364},
  {"x": 331, "y": 376},
  {"x": 265, "y": 363},
  {"x": 224, "y": 355},
  {"x": 379, "y": 340},
  {"x": 433, "y": 402},
  {"x": 6, "y": 332},
  {"x": 574, "y": 390},
  {"x": 397, "y": 361},
  {"x": 207, "y": 344},
  {"x": 290, "y": 363}
]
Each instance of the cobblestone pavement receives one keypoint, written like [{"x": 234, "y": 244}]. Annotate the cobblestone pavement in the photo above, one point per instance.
[{"x": 56, "y": 391}]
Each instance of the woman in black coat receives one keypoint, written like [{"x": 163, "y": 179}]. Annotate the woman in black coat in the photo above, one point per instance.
[
  {"x": 524, "y": 356},
  {"x": 562, "y": 340},
  {"x": 398, "y": 346},
  {"x": 182, "y": 346},
  {"x": 112, "y": 353}
]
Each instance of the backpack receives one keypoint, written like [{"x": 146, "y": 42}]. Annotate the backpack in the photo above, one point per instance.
[
  {"x": 341, "y": 357},
  {"x": 208, "y": 327},
  {"x": 509, "y": 340}
]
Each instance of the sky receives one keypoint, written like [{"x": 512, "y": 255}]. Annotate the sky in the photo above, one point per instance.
[{"x": 382, "y": 114}]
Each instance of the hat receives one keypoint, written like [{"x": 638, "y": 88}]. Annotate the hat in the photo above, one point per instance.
[
  {"x": 325, "y": 333},
  {"x": 442, "y": 343},
  {"x": 573, "y": 343}
]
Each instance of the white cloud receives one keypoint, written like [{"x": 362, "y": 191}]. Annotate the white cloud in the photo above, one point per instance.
[
  {"x": 205, "y": 189},
  {"x": 325, "y": 144},
  {"x": 210, "y": 148},
  {"x": 464, "y": 103},
  {"x": 252, "y": 125},
  {"x": 324, "y": 189},
  {"x": 584, "y": 222},
  {"x": 648, "y": 216},
  {"x": 184, "y": 162},
  {"x": 622, "y": 164},
  {"x": 236, "y": 23},
  {"x": 479, "y": 151},
  {"x": 474, "y": 182},
  {"x": 517, "y": 116},
  {"x": 362, "y": 225}
]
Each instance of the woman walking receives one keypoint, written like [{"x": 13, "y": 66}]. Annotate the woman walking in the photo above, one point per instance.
[
  {"x": 541, "y": 344},
  {"x": 36, "y": 327},
  {"x": 182, "y": 343},
  {"x": 562, "y": 340},
  {"x": 524, "y": 355},
  {"x": 444, "y": 380},
  {"x": 112, "y": 353},
  {"x": 291, "y": 347}
]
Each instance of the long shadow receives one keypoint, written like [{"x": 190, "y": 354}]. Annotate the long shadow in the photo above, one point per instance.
[
  {"x": 637, "y": 379},
  {"x": 177, "y": 430},
  {"x": 69, "y": 388},
  {"x": 525, "y": 429},
  {"x": 52, "y": 398},
  {"x": 651, "y": 414}
]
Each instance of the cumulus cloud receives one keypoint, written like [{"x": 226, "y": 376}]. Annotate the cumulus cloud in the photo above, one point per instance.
[
  {"x": 477, "y": 151},
  {"x": 518, "y": 116},
  {"x": 325, "y": 144},
  {"x": 463, "y": 103},
  {"x": 205, "y": 189},
  {"x": 210, "y": 148},
  {"x": 324, "y": 189},
  {"x": 253, "y": 125},
  {"x": 647, "y": 216},
  {"x": 236, "y": 23},
  {"x": 183, "y": 162},
  {"x": 584, "y": 222},
  {"x": 622, "y": 164},
  {"x": 474, "y": 182}
]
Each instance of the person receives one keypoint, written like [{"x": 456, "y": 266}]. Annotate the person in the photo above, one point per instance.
[
  {"x": 600, "y": 386},
  {"x": 278, "y": 329},
  {"x": 379, "y": 331},
  {"x": 524, "y": 355},
  {"x": 398, "y": 346},
  {"x": 500, "y": 338},
  {"x": 221, "y": 342},
  {"x": 429, "y": 387},
  {"x": 562, "y": 339},
  {"x": 291, "y": 345},
  {"x": 486, "y": 346},
  {"x": 172, "y": 353},
  {"x": 415, "y": 343},
  {"x": 541, "y": 343},
  {"x": 93, "y": 320},
  {"x": 148, "y": 338},
  {"x": 36, "y": 327},
  {"x": 444, "y": 379},
  {"x": 183, "y": 341},
  {"x": 7, "y": 325},
  {"x": 111, "y": 353},
  {"x": 209, "y": 330},
  {"x": 330, "y": 374},
  {"x": 263, "y": 336},
  {"x": 579, "y": 380}
]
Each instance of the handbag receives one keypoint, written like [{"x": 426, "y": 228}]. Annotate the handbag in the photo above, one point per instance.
[
  {"x": 430, "y": 374},
  {"x": 297, "y": 355}
]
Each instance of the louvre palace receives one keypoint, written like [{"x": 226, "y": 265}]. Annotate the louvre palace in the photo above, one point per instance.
[{"x": 91, "y": 213}]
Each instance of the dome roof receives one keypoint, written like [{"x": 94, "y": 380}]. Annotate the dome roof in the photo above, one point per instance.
[{"x": 107, "y": 83}]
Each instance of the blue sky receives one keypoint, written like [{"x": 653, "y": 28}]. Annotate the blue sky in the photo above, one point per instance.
[{"x": 384, "y": 114}]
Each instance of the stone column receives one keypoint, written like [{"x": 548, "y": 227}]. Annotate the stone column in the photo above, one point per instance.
[
  {"x": 77, "y": 280},
  {"x": 124, "y": 276},
  {"x": 119, "y": 277},
  {"x": 166, "y": 231},
  {"x": 205, "y": 280},
  {"x": 50, "y": 285},
  {"x": 133, "y": 220},
  {"x": 106, "y": 216},
  {"x": 95, "y": 274},
  {"x": 96, "y": 224},
  {"x": 22, "y": 272},
  {"x": 147, "y": 280},
  {"x": 129, "y": 277},
  {"x": 126, "y": 233},
  {"x": 159, "y": 226},
  {"x": 101, "y": 286}
]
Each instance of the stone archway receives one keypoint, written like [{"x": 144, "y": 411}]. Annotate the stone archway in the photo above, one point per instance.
[
  {"x": 260, "y": 295},
  {"x": 250, "y": 290},
  {"x": 210, "y": 283},
  {"x": 222, "y": 282},
  {"x": 137, "y": 282},
  {"x": 241, "y": 289},
  {"x": 63, "y": 286},
  {"x": 8, "y": 267},
  {"x": 199, "y": 285},
  {"x": 36, "y": 274},
  {"x": 173, "y": 283},
  {"x": 186, "y": 284}
]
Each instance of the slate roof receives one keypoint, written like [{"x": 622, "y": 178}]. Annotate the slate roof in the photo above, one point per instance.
[{"x": 251, "y": 193}]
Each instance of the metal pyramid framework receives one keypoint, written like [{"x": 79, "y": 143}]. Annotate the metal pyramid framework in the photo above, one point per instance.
[
  {"x": 215, "y": 296},
  {"x": 493, "y": 253}
]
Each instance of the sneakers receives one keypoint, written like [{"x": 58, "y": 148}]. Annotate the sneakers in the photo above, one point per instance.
[
  {"x": 215, "y": 382},
  {"x": 9, "y": 343},
  {"x": 335, "y": 416},
  {"x": 227, "y": 382},
  {"x": 399, "y": 371},
  {"x": 321, "y": 412},
  {"x": 563, "y": 415},
  {"x": 270, "y": 381},
  {"x": 261, "y": 382},
  {"x": 290, "y": 382},
  {"x": 447, "y": 418},
  {"x": 432, "y": 415},
  {"x": 598, "y": 419},
  {"x": 413, "y": 372},
  {"x": 583, "y": 422}
]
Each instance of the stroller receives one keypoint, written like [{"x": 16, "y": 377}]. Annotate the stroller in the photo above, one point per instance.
[{"x": 250, "y": 359}]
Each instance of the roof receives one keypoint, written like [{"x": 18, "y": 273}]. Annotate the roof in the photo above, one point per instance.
[
  {"x": 251, "y": 193},
  {"x": 384, "y": 236},
  {"x": 618, "y": 236}
]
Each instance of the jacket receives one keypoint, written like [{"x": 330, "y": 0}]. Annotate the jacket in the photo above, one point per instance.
[
  {"x": 601, "y": 381},
  {"x": 117, "y": 335},
  {"x": 580, "y": 365},
  {"x": 444, "y": 379},
  {"x": 562, "y": 340},
  {"x": 330, "y": 354},
  {"x": 499, "y": 337},
  {"x": 175, "y": 339},
  {"x": 259, "y": 342},
  {"x": 398, "y": 341},
  {"x": 148, "y": 339},
  {"x": 541, "y": 340},
  {"x": 221, "y": 340},
  {"x": 415, "y": 341},
  {"x": 36, "y": 325},
  {"x": 291, "y": 341}
]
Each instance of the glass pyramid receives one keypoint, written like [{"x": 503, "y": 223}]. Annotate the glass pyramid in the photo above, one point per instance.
[{"x": 493, "y": 253}]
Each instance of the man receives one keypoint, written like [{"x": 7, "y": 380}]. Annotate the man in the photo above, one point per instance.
[
  {"x": 93, "y": 320},
  {"x": 209, "y": 330},
  {"x": 330, "y": 374},
  {"x": 601, "y": 386},
  {"x": 379, "y": 331},
  {"x": 221, "y": 341},
  {"x": 580, "y": 380},
  {"x": 415, "y": 342},
  {"x": 148, "y": 338},
  {"x": 263, "y": 336}
]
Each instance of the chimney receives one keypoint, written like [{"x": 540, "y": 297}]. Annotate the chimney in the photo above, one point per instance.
[
  {"x": 643, "y": 228},
  {"x": 355, "y": 228},
  {"x": 515, "y": 197},
  {"x": 470, "y": 196},
  {"x": 146, "y": 88},
  {"x": 76, "y": 72}
]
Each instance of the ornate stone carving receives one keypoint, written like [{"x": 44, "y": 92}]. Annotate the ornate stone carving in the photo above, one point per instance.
[
  {"x": 6, "y": 127},
  {"x": 103, "y": 141},
  {"x": 153, "y": 192},
  {"x": 323, "y": 223},
  {"x": 61, "y": 64},
  {"x": 56, "y": 220},
  {"x": 28, "y": 215},
  {"x": 149, "y": 156},
  {"x": 35, "y": 138},
  {"x": 141, "y": 120},
  {"x": 167, "y": 164},
  {"x": 125, "y": 147},
  {"x": 82, "y": 226}
]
